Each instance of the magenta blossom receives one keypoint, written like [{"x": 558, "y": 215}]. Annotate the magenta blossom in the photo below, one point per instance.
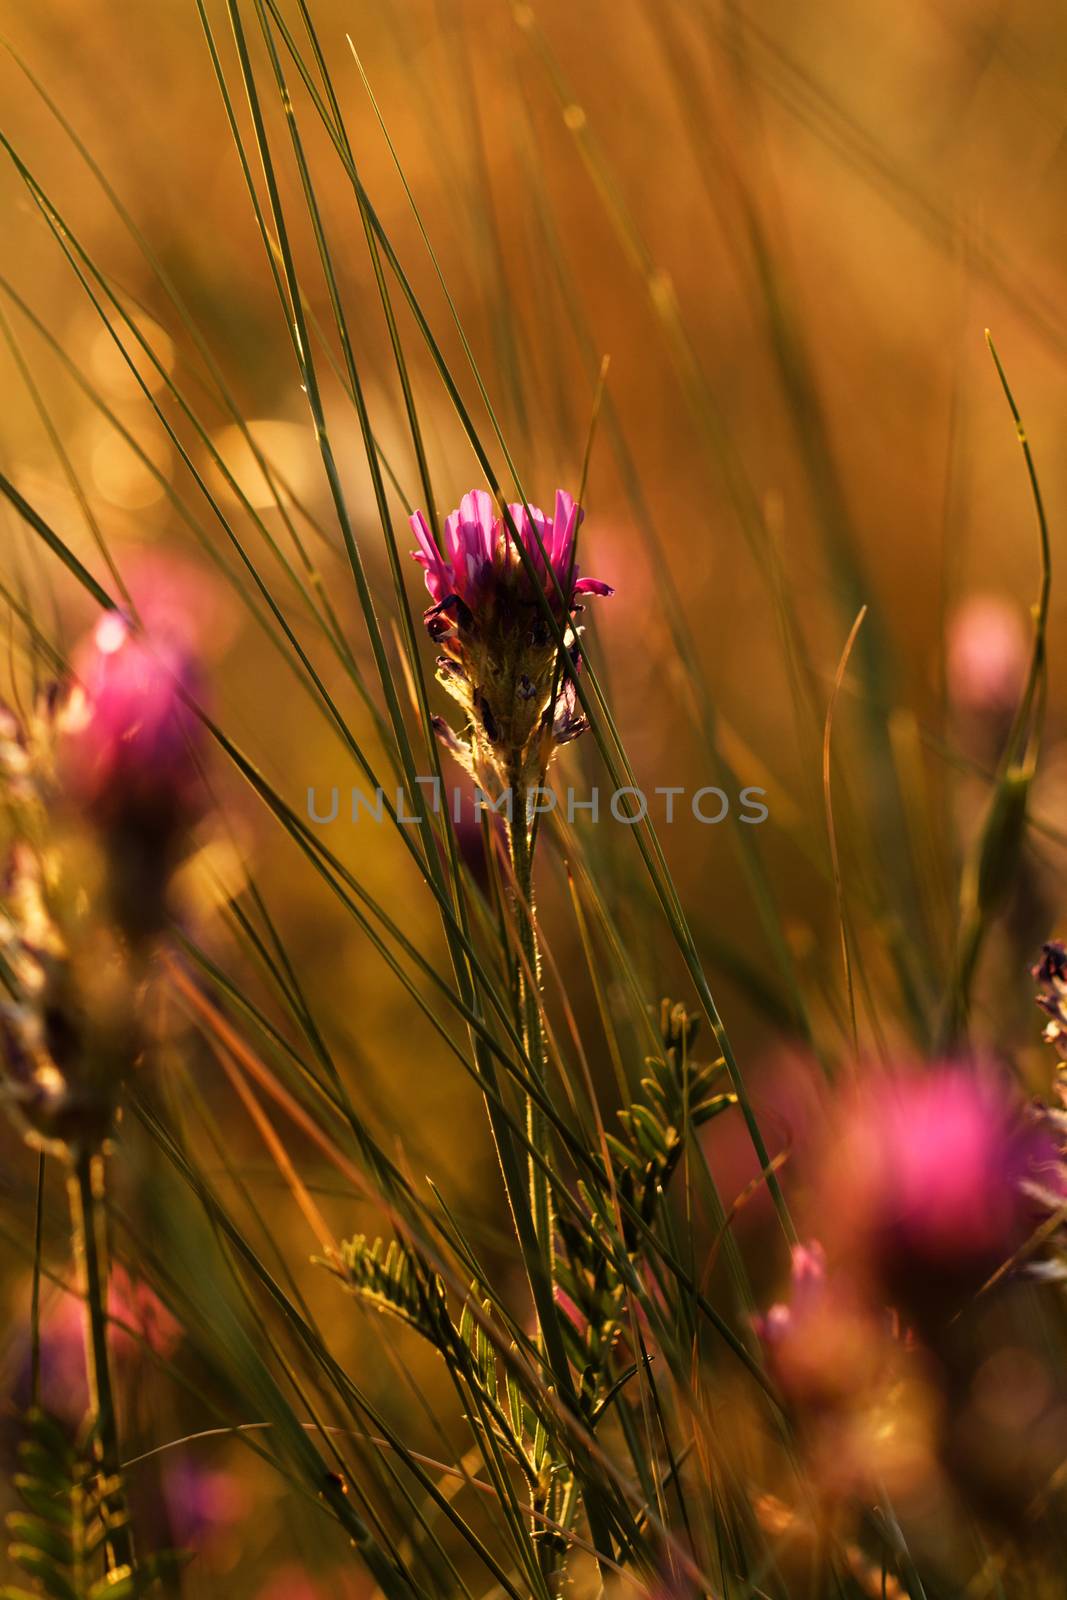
[
  {"x": 930, "y": 1185},
  {"x": 500, "y": 657},
  {"x": 128, "y": 758},
  {"x": 808, "y": 1281},
  {"x": 129, "y": 730},
  {"x": 202, "y": 1501},
  {"x": 823, "y": 1348},
  {"x": 987, "y": 657},
  {"x": 140, "y": 1323},
  {"x": 483, "y": 564}
]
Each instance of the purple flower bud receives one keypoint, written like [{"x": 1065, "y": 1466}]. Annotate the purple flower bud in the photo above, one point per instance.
[
  {"x": 987, "y": 657},
  {"x": 500, "y": 655},
  {"x": 129, "y": 732},
  {"x": 482, "y": 566},
  {"x": 823, "y": 1348},
  {"x": 128, "y": 759},
  {"x": 929, "y": 1186},
  {"x": 201, "y": 1501}
]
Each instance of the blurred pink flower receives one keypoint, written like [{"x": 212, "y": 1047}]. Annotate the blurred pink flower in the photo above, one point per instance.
[
  {"x": 860, "y": 1399},
  {"x": 138, "y": 1315},
  {"x": 138, "y": 1306},
  {"x": 128, "y": 757},
  {"x": 483, "y": 575},
  {"x": 808, "y": 1281},
  {"x": 924, "y": 1191},
  {"x": 129, "y": 734},
  {"x": 988, "y": 651},
  {"x": 201, "y": 1501},
  {"x": 822, "y": 1348}
]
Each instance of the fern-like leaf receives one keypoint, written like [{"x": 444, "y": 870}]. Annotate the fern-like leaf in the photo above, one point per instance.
[
  {"x": 58, "y": 1540},
  {"x": 387, "y": 1278}
]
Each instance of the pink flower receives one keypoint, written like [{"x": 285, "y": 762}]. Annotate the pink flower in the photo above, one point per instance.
[
  {"x": 483, "y": 574},
  {"x": 129, "y": 733},
  {"x": 137, "y": 1315},
  {"x": 823, "y": 1348},
  {"x": 499, "y": 657},
  {"x": 859, "y": 1398},
  {"x": 136, "y": 1305},
  {"x": 926, "y": 1185},
  {"x": 128, "y": 757},
  {"x": 808, "y": 1279},
  {"x": 201, "y": 1501},
  {"x": 987, "y": 656}
]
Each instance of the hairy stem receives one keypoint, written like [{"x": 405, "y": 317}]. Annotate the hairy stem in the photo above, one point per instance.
[
  {"x": 521, "y": 845},
  {"x": 89, "y": 1229}
]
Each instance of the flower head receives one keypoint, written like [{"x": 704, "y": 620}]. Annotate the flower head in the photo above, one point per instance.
[
  {"x": 499, "y": 653},
  {"x": 821, "y": 1345},
  {"x": 987, "y": 657},
  {"x": 929, "y": 1185},
  {"x": 127, "y": 759},
  {"x": 140, "y": 1321},
  {"x": 202, "y": 1501},
  {"x": 859, "y": 1407},
  {"x": 484, "y": 569},
  {"x": 129, "y": 731}
]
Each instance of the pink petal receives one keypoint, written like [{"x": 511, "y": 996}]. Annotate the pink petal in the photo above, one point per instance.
[
  {"x": 454, "y": 540},
  {"x": 438, "y": 575},
  {"x": 422, "y": 533},
  {"x": 564, "y": 525},
  {"x": 593, "y": 586},
  {"x": 477, "y": 509}
]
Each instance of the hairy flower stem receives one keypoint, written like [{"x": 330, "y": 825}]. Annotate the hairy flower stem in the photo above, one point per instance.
[
  {"x": 533, "y": 1038},
  {"x": 530, "y": 1016},
  {"x": 89, "y": 1228}
]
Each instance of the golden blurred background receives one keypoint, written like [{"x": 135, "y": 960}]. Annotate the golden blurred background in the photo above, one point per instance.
[{"x": 788, "y": 227}]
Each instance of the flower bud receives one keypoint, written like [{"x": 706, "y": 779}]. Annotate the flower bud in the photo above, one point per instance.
[
  {"x": 127, "y": 758},
  {"x": 499, "y": 655},
  {"x": 928, "y": 1187}
]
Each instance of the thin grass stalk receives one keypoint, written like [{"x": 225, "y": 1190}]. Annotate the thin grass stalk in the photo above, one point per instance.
[
  {"x": 457, "y": 938},
  {"x": 585, "y": 685},
  {"x": 541, "y": 1284},
  {"x": 987, "y": 873}
]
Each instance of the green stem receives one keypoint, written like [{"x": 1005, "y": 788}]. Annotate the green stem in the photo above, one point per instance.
[
  {"x": 35, "y": 1301},
  {"x": 521, "y": 843},
  {"x": 89, "y": 1228}
]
